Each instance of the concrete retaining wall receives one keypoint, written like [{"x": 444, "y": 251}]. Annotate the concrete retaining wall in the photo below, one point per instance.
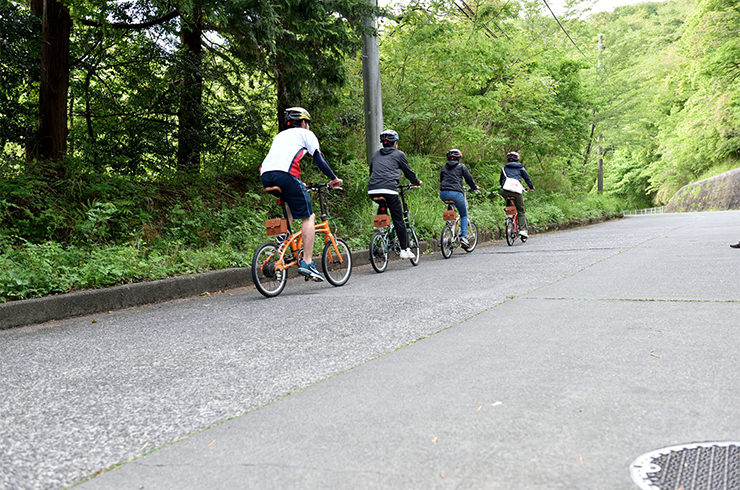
[{"x": 716, "y": 193}]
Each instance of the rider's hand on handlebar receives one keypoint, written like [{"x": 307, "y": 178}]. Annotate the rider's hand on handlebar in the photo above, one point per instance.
[
  {"x": 531, "y": 188},
  {"x": 336, "y": 183},
  {"x": 419, "y": 184}
]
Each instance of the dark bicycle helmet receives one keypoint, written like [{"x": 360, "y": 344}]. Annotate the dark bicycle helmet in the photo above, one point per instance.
[
  {"x": 512, "y": 156},
  {"x": 294, "y": 116},
  {"x": 454, "y": 154}
]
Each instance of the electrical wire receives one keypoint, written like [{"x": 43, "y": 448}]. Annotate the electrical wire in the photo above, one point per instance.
[{"x": 563, "y": 28}]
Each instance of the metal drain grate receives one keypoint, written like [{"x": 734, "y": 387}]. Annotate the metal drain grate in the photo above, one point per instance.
[{"x": 705, "y": 466}]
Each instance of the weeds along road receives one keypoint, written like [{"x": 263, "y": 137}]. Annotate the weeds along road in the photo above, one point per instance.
[{"x": 551, "y": 364}]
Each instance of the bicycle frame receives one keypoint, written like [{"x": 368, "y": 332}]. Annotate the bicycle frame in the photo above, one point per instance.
[
  {"x": 385, "y": 238},
  {"x": 515, "y": 216},
  {"x": 295, "y": 240},
  {"x": 406, "y": 218}
]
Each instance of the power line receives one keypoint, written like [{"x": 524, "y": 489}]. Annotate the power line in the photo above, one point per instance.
[
  {"x": 473, "y": 14},
  {"x": 563, "y": 28}
]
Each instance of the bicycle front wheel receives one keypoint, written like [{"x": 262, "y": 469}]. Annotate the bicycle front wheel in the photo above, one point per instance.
[
  {"x": 414, "y": 246},
  {"x": 509, "y": 231},
  {"x": 472, "y": 237},
  {"x": 337, "y": 262},
  {"x": 447, "y": 241},
  {"x": 269, "y": 280},
  {"x": 378, "y": 252}
]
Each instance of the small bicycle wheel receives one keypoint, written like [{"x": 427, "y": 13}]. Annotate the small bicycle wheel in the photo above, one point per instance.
[
  {"x": 472, "y": 237},
  {"x": 447, "y": 241},
  {"x": 337, "y": 262},
  {"x": 268, "y": 280},
  {"x": 414, "y": 246},
  {"x": 509, "y": 231},
  {"x": 378, "y": 252}
]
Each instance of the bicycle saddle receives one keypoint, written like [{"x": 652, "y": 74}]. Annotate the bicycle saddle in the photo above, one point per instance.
[
  {"x": 449, "y": 202},
  {"x": 378, "y": 199},
  {"x": 274, "y": 190}
]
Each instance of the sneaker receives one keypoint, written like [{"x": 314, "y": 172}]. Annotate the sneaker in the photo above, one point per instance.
[
  {"x": 464, "y": 241},
  {"x": 310, "y": 270},
  {"x": 524, "y": 233},
  {"x": 735, "y": 245},
  {"x": 407, "y": 254}
]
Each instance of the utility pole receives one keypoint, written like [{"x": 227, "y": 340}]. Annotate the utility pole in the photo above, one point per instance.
[
  {"x": 599, "y": 149},
  {"x": 371, "y": 86},
  {"x": 600, "y": 152}
]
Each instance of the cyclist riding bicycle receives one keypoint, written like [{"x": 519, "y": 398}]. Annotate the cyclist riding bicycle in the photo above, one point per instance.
[
  {"x": 451, "y": 189},
  {"x": 385, "y": 174},
  {"x": 282, "y": 167},
  {"x": 515, "y": 170}
]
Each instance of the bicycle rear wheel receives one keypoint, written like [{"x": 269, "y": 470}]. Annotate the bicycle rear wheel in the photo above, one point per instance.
[
  {"x": 337, "y": 263},
  {"x": 447, "y": 241},
  {"x": 268, "y": 280},
  {"x": 414, "y": 246},
  {"x": 378, "y": 252},
  {"x": 472, "y": 237},
  {"x": 509, "y": 231}
]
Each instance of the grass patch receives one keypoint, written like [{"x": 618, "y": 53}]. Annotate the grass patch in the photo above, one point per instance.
[{"x": 95, "y": 231}]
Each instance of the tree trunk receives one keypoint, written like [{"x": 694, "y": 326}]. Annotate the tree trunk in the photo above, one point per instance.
[
  {"x": 587, "y": 153},
  {"x": 37, "y": 10},
  {"x": 190, "y": 113},
  {"x": 282, "y": 98},
  {"x": 287, "y": 86},
  {"x": 56, "y": 27}
]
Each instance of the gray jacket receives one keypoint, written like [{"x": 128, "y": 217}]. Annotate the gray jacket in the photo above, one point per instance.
[
  {"x": 386, "y": 167},
  {"x": 450, "y": 178}
]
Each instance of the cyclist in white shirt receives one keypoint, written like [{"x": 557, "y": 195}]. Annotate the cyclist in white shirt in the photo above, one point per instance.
[{"x": 282, "y": 167}]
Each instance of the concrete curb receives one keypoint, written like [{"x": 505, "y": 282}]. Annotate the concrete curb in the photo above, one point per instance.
[
  {"x": 39, "y": 310},
  {"x": 78, "y": 303}
]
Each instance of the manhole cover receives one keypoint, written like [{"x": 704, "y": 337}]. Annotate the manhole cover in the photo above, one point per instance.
[{"x": 705, "y": 466}]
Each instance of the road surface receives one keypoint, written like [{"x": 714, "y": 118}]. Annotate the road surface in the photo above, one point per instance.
[{"x": 552, "y": 364}]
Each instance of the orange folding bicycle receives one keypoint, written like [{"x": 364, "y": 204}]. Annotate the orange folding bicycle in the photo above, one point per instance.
[{"x": 272, "y": 260}]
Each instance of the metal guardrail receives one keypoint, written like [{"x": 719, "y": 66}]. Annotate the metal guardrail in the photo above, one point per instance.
[{"x": 637, "y": 212}]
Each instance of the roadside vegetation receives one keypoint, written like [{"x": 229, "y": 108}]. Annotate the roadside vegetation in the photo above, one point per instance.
[{"x": 171, "y": 107}]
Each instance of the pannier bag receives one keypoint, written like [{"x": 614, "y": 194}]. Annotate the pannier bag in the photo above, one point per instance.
[
  {"x": 381, "y": 220},
  {"x": 510, "y": 210},
  {"x": 276, "y": 226},
  {"x": 449, "y": 215}
]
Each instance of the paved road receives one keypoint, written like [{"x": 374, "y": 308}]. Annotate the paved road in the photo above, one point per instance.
[{"x": 547, "y": 365}]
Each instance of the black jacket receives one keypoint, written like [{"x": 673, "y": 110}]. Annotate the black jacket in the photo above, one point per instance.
[
  {"x": 515, "y": 170},
  {"x": 386, "y": 167},
  {"x": 450, "y": 178}
]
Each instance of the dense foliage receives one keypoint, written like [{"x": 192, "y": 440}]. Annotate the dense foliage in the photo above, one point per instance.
[
  {"x": 670, "y": 103},
  {"x": 171, "y": 106}
]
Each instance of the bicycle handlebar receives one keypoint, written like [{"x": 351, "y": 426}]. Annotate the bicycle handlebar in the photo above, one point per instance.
[
  {"x": 409, "y": 186},
  {"x": 319, "y": 186}
]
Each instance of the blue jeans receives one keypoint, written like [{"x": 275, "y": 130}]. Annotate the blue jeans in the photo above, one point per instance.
[{"x": 461, "y": 205}]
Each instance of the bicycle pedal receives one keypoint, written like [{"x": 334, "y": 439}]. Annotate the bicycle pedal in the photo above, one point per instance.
[{"x": 306, "y": 278}]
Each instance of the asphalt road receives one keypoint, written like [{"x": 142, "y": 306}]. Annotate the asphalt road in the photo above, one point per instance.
[{"x": 552, "y": 364}]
